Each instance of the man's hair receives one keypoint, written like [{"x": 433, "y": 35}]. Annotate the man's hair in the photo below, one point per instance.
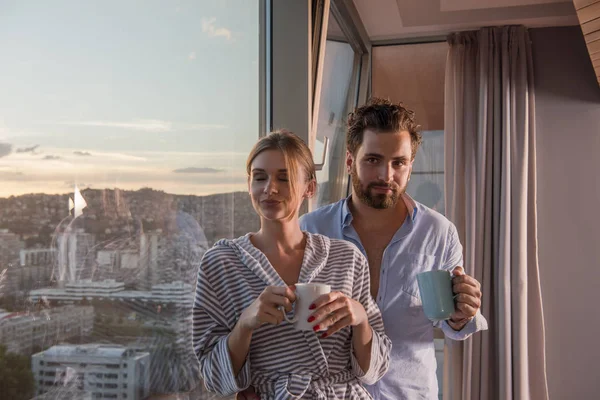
[{"x": 381, "y": 116}]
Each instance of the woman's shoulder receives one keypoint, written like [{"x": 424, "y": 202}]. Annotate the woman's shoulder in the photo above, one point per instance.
[{"x": 222, "y": 250}]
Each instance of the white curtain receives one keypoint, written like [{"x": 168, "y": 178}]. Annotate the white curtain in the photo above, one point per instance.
[{"x": 490, "y": 181}]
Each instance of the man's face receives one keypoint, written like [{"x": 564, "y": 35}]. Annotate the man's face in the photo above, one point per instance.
[{"x": 381, "y": 168}]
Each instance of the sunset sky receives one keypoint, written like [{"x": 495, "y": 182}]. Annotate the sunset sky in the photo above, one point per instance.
[{"x": 127, "y": 94}]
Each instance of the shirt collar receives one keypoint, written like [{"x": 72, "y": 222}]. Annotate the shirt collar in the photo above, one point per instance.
[{"x": 411, "y": 205}]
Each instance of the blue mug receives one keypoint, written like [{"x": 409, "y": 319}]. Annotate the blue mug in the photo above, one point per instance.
[{"x": 437, "y": 297}]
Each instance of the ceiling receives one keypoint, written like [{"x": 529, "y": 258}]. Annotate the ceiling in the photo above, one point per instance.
[
  {"x": 588, "y": 12},
  {"x": 386, "y": 20}
]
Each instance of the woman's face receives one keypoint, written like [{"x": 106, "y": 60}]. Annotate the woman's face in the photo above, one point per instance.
[{"x": 270, "y": 189}]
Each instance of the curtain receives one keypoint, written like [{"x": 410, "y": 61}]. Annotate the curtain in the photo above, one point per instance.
[{"x": 490, "y": 182}]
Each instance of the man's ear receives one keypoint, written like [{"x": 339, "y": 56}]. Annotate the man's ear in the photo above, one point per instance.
[{"x": 349, "y": 161}]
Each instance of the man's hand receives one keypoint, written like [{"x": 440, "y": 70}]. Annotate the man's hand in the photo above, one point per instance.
[
  {"x": 248, "y": 394},
  {"x": 467, "y": 291}
]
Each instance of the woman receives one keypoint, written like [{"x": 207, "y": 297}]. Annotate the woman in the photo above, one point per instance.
[{"x": 240, "y": 336}]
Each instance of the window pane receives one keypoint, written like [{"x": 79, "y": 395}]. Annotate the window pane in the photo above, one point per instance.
[
  {"x": 414, "y": 74},
  {"x": 427, "y": 179},
  {"x": 124, "y": 130},
  {"x": 336, "y": 93}
]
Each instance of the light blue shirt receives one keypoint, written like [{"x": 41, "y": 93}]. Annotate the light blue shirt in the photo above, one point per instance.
[{"x": 426, "y": 241}]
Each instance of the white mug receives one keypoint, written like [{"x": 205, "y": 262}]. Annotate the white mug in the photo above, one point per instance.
[{"x": 306, "y": 294}]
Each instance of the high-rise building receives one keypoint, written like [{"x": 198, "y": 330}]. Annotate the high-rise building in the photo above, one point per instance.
[
  {"x": 106, "y": 371},
  {"x": 75, "y": 257},
  {"x": 10, "y": 247},
  {"x": 150, "y": 248}
]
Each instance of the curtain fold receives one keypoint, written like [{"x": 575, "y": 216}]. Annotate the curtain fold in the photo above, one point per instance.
[{"x": 490, "y": 186}]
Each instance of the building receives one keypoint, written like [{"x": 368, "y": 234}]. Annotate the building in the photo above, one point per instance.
[
  {"x": 21, "y": 279},
  {"x": 10, "y": 247},
  {"x": 75, "y": 255},
  {"x": 110, "y": 289},
  {"x": 174, "y": 291},
  {"x": 151, "y": 246},
  {"x": 36, "y": 257},
  {"x": 106, "y": 371},
  {"x": 24, "y": 331}
]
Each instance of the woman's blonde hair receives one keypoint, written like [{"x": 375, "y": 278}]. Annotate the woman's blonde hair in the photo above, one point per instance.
[{"x": 295, "y": 153}]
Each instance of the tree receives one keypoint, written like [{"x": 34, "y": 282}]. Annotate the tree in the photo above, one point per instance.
[{"x": 16, "y": 378}]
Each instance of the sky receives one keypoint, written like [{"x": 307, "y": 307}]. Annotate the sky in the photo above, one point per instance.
[{"x": 127, "y": 94}]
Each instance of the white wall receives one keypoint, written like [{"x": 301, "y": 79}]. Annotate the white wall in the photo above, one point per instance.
[{"x": 568, "y": 162}]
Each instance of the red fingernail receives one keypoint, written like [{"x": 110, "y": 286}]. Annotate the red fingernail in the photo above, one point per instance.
[
  {"x": 323, "y": 336},
  {"x": 316, "y": 328},
  {"x": 312, "y": 307},
  {"x": 311, "y": 318}
]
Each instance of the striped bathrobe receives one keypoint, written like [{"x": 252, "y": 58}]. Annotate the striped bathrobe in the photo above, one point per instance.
[{"x": 283, "y": 363}]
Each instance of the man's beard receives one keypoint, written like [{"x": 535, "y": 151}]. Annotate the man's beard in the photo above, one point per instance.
[{"x": 379, "y": 201}]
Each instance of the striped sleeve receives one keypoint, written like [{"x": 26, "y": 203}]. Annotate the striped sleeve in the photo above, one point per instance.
[
  {"x": 210, "y": 335},
  {"x": 381, "y": 344}
]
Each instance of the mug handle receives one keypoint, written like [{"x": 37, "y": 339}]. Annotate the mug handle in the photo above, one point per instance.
[{"x": 290, "y": 320}]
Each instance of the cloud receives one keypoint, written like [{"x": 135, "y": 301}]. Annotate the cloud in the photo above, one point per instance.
[
  {"x": 82, "y": 153},
  {"x": 5, "y": 149},
  {"x": 148, "y": 125},
  {"x": 209, "y": 27},
  {"x": 28, "y": 149},
  {"x": 203, "y": 127},
  {"x": 195, "y": 170},
  {"x": 80, "y": 185},
  {"x": 192, "y": 55},
  {"x": 50, "y": 157},
  {"x": 10, "y": 174}
]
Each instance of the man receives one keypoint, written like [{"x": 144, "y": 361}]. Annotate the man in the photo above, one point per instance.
[{"x": 400, "y": 238}]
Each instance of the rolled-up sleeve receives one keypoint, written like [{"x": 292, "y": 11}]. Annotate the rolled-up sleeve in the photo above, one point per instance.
[
  {"x": 210, "y": 335},
  {"x": 381, "y": 345},
  {"x": 453, "y": 259},
  {"x": 476, "y": 324}
]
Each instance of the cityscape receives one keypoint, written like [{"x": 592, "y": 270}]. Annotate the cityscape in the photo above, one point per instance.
[{"x": 96, "y": 289}]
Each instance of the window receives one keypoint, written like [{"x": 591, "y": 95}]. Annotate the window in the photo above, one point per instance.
[
  {"x": 414, "y": 74},
  {"x": 122, "y": 160},
  {"x": 338, "y": 96}
]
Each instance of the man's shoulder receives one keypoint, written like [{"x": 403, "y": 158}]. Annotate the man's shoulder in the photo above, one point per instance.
[
  {"x": 432, "y": 219},
  {"x": 323, "y": 216}
]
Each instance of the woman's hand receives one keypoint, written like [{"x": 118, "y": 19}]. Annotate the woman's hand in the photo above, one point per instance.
[
  {"x": 265, "y": 309},
  {"x": 335, "y": 311}
]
